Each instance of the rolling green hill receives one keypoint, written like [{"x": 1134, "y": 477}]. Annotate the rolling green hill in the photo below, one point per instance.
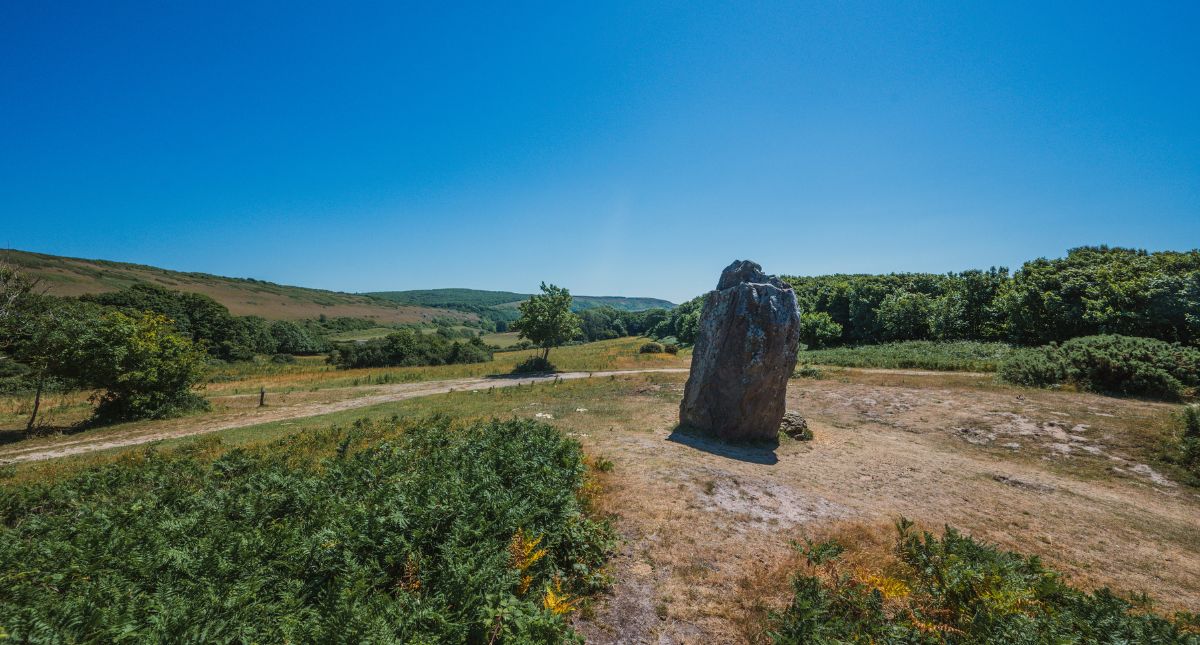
[
  {"x": 65, "y": 276},
  {"x": 475, "y": 299}
]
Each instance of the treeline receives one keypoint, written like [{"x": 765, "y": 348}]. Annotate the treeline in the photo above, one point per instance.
[
  {"x": 409, "y": 348},
  {"x": 138, "y": 363},
  {"x": 1092, "y": 291},
  {"x": 606, "y": 323},
  {"x": 209, "y": 324}
]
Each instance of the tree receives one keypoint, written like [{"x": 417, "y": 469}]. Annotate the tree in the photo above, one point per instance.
[
  {"x": 818, "y": 329},
  {"x": 291, "y": 338},
  {"x": 904, "y": 316},
  {"x": 546, "y": 320},
  {"x": 15, "y": 288},
  {"x": 144, "y": 366},
  {"x": 197, "y": 316},
  {"x": 41, "y": 335}
]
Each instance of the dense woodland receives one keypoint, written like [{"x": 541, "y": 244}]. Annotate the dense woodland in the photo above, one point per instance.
[{"x": 1093, "y": 290}]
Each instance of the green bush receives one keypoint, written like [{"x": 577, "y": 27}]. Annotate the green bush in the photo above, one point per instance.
[
  {"x": 1038, "y": 367},
  {"x": 408, "y": 348},
  {"x": 651, "y": 348},
  {"x": 959, "y": 591},
  {"x": 1113, "y": 364},
  {"x": 145, "y": 368},
  {"x": 534, "y": 365},
  {"x": 1187, "y": 453},
  {"x": 431, "y": 533},
  {"x": 818, "y": 329},
  {"x": 293, "y": 338},
  {"x": 671, "y": 348}
]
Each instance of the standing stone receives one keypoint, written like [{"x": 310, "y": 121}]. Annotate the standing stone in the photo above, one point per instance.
[{"x": 744, "y": 354}]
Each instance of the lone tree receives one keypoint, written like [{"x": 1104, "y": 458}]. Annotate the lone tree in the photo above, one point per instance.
[{"x": 547, "y": 320}]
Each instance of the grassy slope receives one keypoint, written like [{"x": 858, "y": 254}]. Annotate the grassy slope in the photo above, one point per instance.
[
  {"x": 244, "y": 297},
  {"x": 451, "y": 298}
]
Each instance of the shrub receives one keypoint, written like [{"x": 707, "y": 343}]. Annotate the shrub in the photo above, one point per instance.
[
  {"x": 1187, "y": 453},
  {"x": 1112, "y": 364},
  {"x": 145, "y": 368},
  {"x": 671, "y": 348},
  {"x": 651, "y": 348},
  {"x": 818, "y": 329},
  {"x": 534, "y": 365},
  {"x": 1037, "y": 367},
  {"x": 410, "y": 348},
  {"x": 914, "y": 354},
  {"x": 433, "y": 533},
  {"x": 956, "y": 590},
  {"x": 809, "y": 371}
]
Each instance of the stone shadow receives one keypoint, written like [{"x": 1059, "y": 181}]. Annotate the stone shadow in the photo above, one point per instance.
[{"x": 756, "y": 452}]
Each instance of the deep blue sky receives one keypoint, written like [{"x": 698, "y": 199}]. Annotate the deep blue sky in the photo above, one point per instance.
[{"x": 615, "y": 149}]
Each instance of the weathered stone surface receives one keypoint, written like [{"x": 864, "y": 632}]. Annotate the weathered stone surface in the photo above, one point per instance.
[
  {"x": 745, "y": 352},
  {"x": 795, "y": 426}
]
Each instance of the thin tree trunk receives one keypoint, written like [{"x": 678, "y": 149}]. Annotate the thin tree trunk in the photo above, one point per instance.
[{"x": 37, "y": 403}]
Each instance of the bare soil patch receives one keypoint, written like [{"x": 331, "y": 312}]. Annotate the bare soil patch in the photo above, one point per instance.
[{"x": 707, "y": 531}]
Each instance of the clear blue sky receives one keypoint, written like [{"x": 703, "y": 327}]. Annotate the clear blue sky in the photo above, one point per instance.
[{"x": 612, "y": 148}]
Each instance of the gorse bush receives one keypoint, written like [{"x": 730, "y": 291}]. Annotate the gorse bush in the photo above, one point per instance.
[
  {"x": 959, "y": 591},
  {"x": 1036, "y": 367},
  {"x": 1112, "y": 364},
  {"x": 434, "y": 533}
]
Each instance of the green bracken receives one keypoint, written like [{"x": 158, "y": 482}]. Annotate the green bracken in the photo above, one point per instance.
[{"x": 374, "y": 533}]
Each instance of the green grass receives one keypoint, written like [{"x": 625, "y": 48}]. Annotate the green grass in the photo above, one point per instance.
[
  {"x": 503, "y": 340},
  {"x": 967, "y": 356},
  {"x": 362, "y": 334},
  {"x": 429, "y": 531}
]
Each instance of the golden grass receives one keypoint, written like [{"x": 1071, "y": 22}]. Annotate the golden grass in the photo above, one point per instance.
[{"x": 310, "y": 373}]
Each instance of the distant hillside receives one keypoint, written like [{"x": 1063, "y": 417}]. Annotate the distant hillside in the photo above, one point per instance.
[
  {"x": 243, "y": 296},
  {"x": 474, "y": 299}
]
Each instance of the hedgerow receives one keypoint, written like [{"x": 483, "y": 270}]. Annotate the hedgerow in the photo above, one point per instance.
[
  {"x": 438, "y": 533},
  {"x": 958, "y": 591}
]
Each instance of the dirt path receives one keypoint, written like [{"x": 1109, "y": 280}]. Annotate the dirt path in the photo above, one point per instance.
[{"x": 195, "y": 426}]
